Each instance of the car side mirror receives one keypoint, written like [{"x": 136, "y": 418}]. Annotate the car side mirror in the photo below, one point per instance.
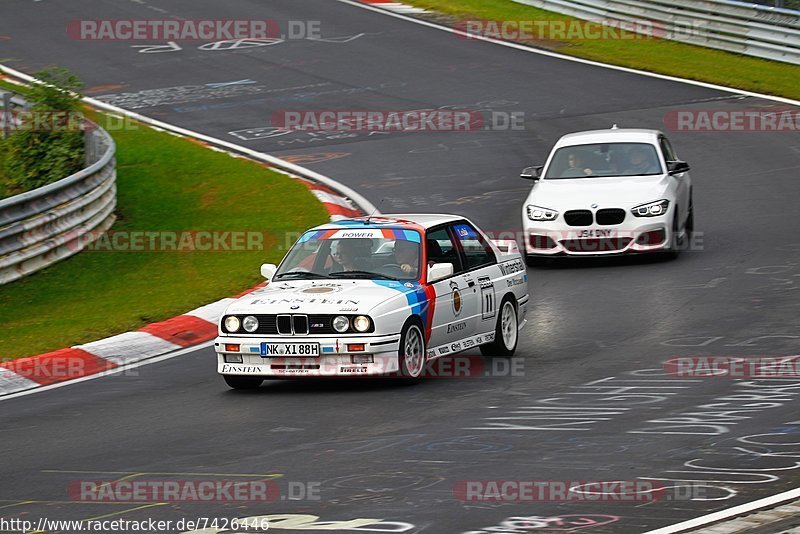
[
  {"x": 531, "y": 173},
  {"x": 438, "y": 271},
  {"x": 268, "y": 271},
  {"x": 677, "y": 167}
]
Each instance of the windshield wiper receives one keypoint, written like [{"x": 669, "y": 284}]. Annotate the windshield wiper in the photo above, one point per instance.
[
  {"x": 303, "y": 274},
  {"x": 361, "y": 274}
]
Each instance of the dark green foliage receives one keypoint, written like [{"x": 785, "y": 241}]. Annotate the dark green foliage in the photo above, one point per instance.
[{"x": 47, "y": 146}]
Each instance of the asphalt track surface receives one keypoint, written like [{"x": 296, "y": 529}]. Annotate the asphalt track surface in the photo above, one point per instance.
[{"x": 389, "y": 452}]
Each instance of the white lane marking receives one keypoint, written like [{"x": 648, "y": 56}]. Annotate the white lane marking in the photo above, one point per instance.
[
  {"x": 116, "y": 370},
  {"x": 730, "y": 512},
  {"x": 571, "y": 58},
  {"x": 128, "y": 347},
  {"x": 226, "y": 84},
  {"x": 171, "y": 46}
]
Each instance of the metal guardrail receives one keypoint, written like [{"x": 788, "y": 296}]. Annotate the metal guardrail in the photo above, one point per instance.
[
  {"x": 750, "y": 29},
  {"x": 53, "y": 222},
  {"x": 788, "y": 4}
]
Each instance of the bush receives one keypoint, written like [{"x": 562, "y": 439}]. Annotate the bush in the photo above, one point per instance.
[{"x": 38, "y": 156}]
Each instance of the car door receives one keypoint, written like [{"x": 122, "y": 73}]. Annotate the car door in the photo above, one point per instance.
[
  {"x": 456, "y": 300},
  {"x": 481, "y": 270},
  {"x": 680, "y": 182}
]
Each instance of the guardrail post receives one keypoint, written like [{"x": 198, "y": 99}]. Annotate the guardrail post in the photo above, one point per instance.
[{"x": 6, "y": 115}]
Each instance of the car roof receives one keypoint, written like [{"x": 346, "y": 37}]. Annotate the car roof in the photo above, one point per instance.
[
  {"x": 425, "y": 220},
  {"x": 610, "y": 135}
]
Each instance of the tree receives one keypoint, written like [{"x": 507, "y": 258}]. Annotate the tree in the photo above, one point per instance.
[{"x": 49, "y": 144}]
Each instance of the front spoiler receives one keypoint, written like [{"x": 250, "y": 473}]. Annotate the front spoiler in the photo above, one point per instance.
[{"x": 334, "y": 360}]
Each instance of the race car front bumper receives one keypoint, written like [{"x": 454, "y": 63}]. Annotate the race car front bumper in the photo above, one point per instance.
[{"x": 337, "y": 356}]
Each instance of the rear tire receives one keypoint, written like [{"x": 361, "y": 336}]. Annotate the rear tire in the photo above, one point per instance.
[
  {"x": 506, "y": 333},
  {"x": 243, "y": 382},
  {"x": 411, "y": 354}
]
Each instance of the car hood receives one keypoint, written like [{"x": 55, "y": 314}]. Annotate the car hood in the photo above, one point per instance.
[
  {"x": 322, "y": 296},
  {"x": 611, "y": 192}
]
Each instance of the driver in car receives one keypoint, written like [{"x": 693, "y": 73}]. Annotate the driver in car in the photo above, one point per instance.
[{"x": 576, "y": 166}]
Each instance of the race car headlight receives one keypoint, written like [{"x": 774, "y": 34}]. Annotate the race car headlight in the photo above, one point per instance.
[
  {"x": 651, "y": 209},
  {"x": 232, "y": 323},
  {"x": 340, "y": 323},
  {"x": 361, "y": 323},
  {"x": 250, "y": 323},
  {"x": 538, "y": 213}
]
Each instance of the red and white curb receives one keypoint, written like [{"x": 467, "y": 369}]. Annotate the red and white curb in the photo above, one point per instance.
[
  {"x": 397, "y": 7},
  {"x": 156, "y": 339},
  {"x": 187, "y": 330}
]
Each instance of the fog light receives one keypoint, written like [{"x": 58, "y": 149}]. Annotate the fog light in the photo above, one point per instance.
[
  {"x": 233, "y": 358},
  {"x": 361, "y": 358},
  {"x": 652, "y": 238},
  {"x": 231, "y": 347},
  {"x": 356, "y": 347},
  {"x": 542, "y": 241}
]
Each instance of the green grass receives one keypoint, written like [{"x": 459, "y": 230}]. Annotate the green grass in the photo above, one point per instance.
[
  {"x": 165, "y": 183},
  {"x": 655, "y": 55}
]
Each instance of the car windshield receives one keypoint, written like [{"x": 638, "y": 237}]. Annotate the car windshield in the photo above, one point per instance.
[
  {"x": 357, "y": 253},
  {"x": 604, "y": 159}
]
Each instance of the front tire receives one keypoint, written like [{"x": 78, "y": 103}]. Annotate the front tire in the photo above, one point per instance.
[
  {"x": 675, "y": 243},
  {"x": 689, "y": 227},
  {"x": 411, "y": 355},
  {"x": 506, "y": 333},
  {"x": 243, "y": 382}
]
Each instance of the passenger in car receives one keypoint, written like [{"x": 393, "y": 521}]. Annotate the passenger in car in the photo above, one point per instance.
[
  {"x": 640, "y": 163},
  {"x": 350, "y": 255}
]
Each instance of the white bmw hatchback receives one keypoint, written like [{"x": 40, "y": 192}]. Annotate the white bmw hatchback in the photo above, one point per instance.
[{"x": 607, "y": 192}]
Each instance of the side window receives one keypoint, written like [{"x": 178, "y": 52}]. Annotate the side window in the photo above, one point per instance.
[
  {"x": 666, "y": 148},
  {"x": 441, "y": 249},
  {"x": 477, "y": 251}
]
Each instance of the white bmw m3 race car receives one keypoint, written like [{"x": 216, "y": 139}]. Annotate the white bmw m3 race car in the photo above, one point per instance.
[
  {"x": 607, "y": 192},
  {"x": 376, "y": 296}
]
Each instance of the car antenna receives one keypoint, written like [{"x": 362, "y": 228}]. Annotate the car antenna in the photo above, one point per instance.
[{"x": 371, "y": 215}]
